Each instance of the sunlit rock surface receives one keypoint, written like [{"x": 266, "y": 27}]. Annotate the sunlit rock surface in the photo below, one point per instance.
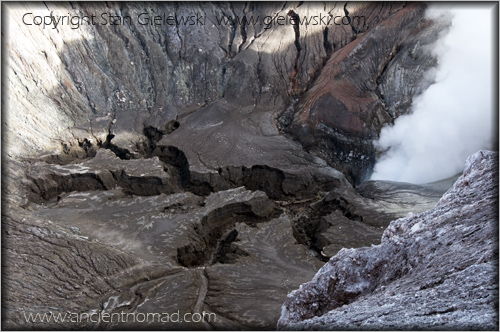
[
  {"x": 433, "y": 270},
  {"x": 173, "y": 169}
]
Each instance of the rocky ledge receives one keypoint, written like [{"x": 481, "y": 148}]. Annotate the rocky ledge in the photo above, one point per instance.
[{"x": 433, "y": 270}]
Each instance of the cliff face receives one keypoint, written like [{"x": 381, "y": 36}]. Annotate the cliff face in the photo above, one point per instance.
[
  {"x": 233, "y": 79},
  {"x": 196, "y": 168},
  {"x": 363, "y": 87},
  {"x": 433, "y": 270}
]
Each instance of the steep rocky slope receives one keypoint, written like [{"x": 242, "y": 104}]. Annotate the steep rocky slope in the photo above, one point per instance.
[
  {"x": 363, "y": 86},
  {"x": 433, "y": 270},
  {"x": 223, "y": 86},
  {"x": 155, "y": 167}
]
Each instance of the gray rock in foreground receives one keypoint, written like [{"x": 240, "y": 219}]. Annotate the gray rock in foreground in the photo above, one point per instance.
[{"x": 433, "y": 270}]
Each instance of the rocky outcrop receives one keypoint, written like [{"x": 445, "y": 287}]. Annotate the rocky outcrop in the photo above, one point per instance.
[
  {"x": 103, "y": 172},
  {"x": 433, "y": 270}
]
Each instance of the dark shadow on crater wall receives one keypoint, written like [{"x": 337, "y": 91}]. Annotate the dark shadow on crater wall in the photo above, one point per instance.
[
  {"x": 148, "y": 76},
  {"x": 333, "y": 130}
]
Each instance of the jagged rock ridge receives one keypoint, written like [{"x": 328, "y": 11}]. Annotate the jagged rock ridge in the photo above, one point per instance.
[{"x": 433, "y": 270}]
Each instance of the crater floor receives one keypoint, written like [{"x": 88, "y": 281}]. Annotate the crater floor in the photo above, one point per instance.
[{"x": 235, "y": 248}]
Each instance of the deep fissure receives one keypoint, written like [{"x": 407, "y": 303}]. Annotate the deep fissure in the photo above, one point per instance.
[{"x": 217, "y": 236}]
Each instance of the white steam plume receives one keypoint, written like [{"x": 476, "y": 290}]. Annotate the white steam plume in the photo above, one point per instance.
[{"x": 453, "y": 118}]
